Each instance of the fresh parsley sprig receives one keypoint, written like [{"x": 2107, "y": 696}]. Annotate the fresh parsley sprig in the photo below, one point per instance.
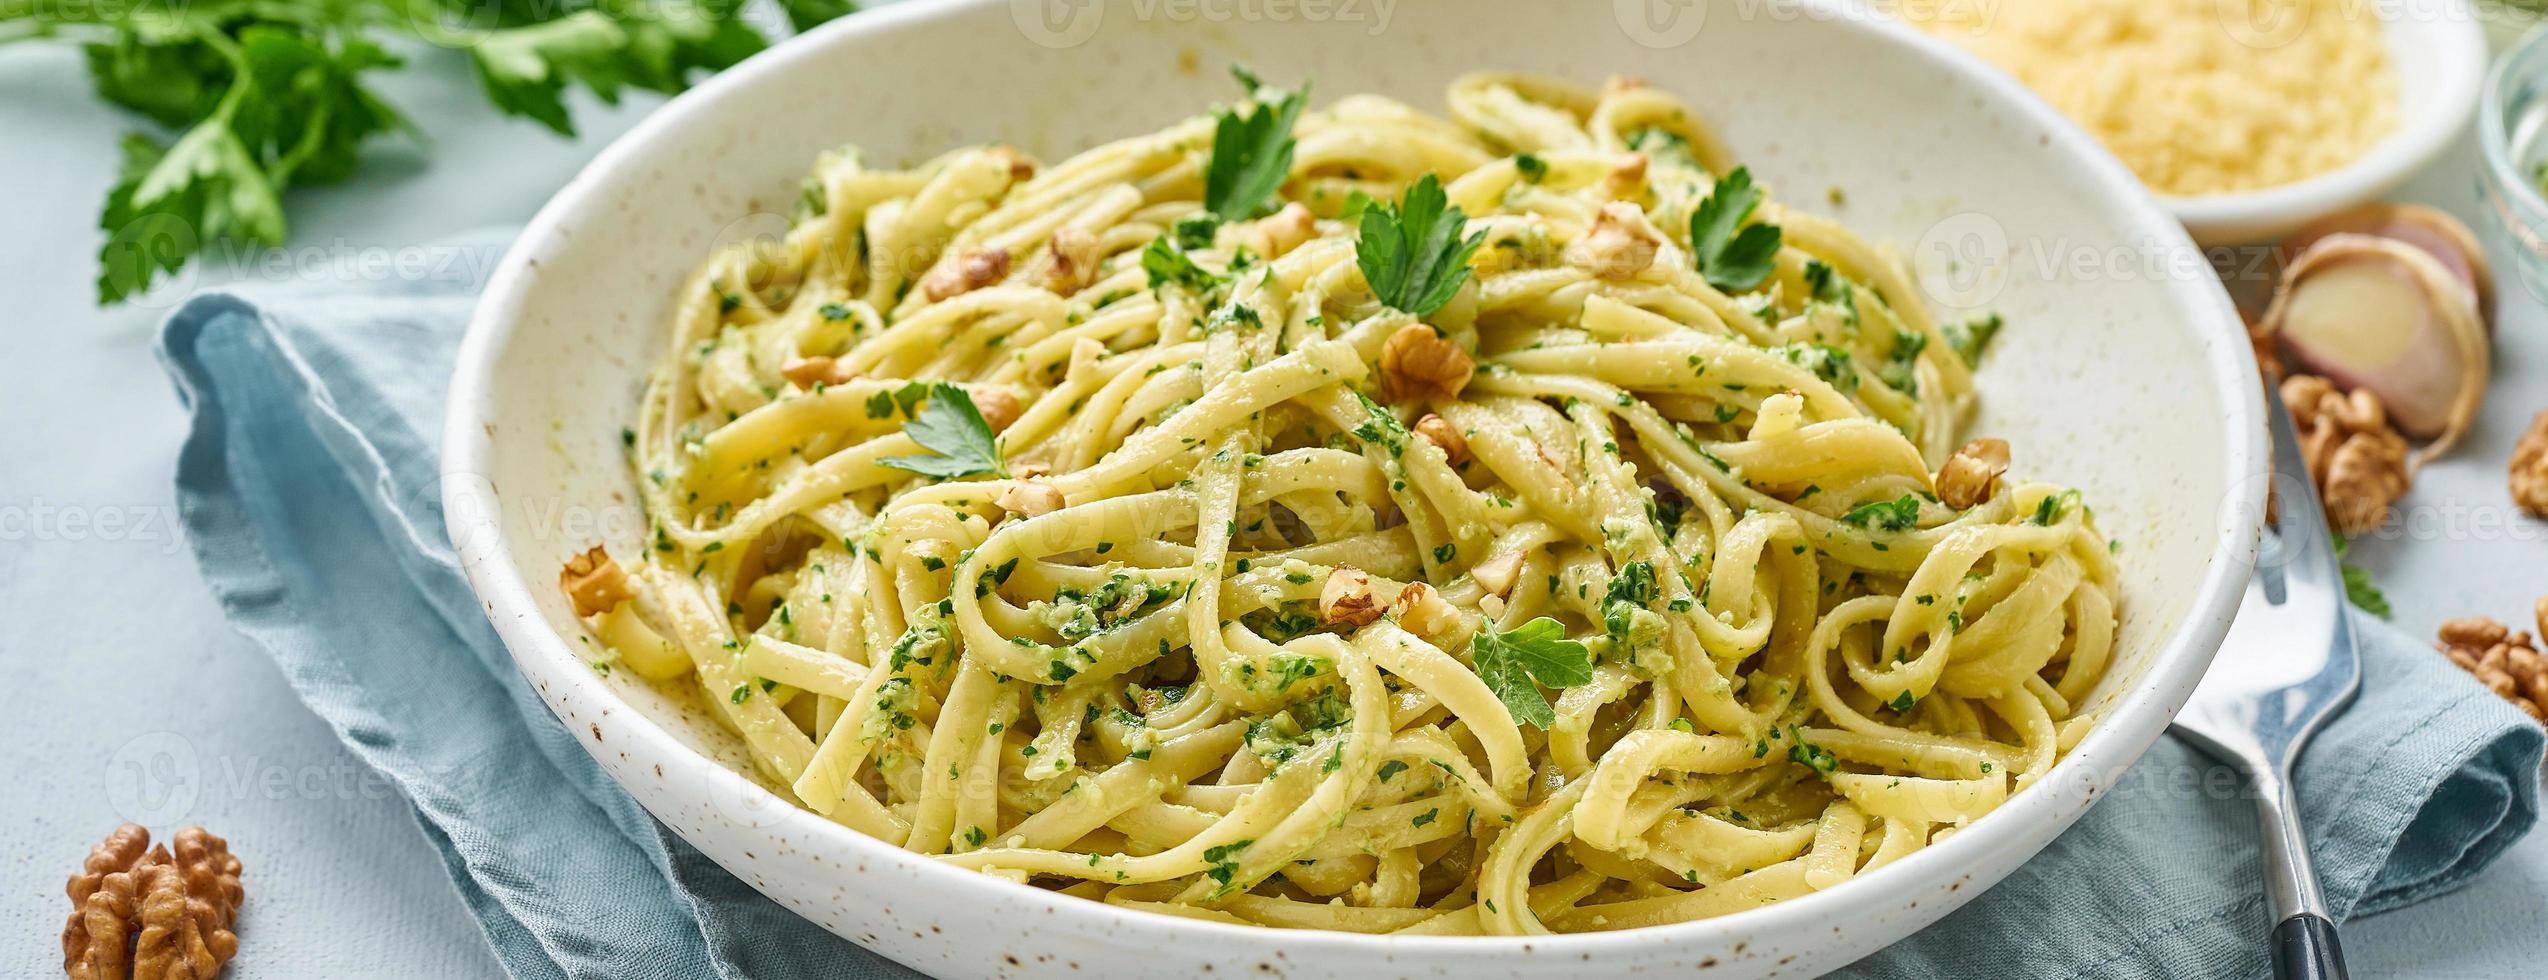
[
  {"x": 1411, "y": 252},
  {"x": 250, "y": 98},
  {"x": 1252, "y": 154},
  {"x": 1733, "y": 256},
  {"x": 960, "y": 443},
  {"x": 1515, "y": 665}
]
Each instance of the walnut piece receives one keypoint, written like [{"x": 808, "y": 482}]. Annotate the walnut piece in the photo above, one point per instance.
[
  {"x": 976, "y": 268},
  {"x": 2507, "y": 661},
  {"x": 1437, "y": 430},
  {"x": 1348, "y": 599},
  {"x": 808, "y": 372},
  {"x": 171, "y": 943},
  {"x": 1421, "y": 610},
  {"x": 96, "y": 940},
  {"x": 1021, "y": 167},
  {"x": 593, "y": 582},
  {"x": 2357, "y": 459},
  {"x": 1620, "y": 243},
  {"x": 1070, "y": 261},
  {"x": 1626, "y": 179},
  {"x": 1277, "y": 234},
  {"x": 999, "y": 406},
  {"x": 1498, "y": 575},
  {"x": 1418, "y": 361},
  {"x": 1972, "y": 474},
  {"x": 213, "y": 893},
  {"x": 1029, "y": 498},
  {"x": 2530, "y": 467}
]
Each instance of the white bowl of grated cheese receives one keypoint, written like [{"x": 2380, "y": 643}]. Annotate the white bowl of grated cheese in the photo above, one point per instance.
[
  {"x": 2437, "y": 61},
  {"x": 2248, "y": 118}
]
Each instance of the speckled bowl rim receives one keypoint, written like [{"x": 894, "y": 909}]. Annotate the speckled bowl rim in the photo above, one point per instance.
[{"x": 2029, "y": 820}]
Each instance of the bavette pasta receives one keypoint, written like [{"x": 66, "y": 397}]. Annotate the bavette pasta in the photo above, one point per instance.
[{"x": 1354, "y": 519}]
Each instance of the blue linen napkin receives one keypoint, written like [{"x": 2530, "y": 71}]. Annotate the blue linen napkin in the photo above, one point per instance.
[{"x": 308, "y": 490}]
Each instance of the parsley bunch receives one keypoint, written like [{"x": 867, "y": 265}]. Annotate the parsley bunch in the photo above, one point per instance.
[{"x": 250, "y": 98}]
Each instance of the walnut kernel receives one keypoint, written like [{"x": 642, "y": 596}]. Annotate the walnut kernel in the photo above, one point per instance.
[
  {"x": 2357, "y": 459},
  {"x": 1029, "y": 498},
  {"x": 1421, "y": 610},
  {"x": 1620, "y": 243},
  {"x": 2507, "y": 661},
  {"x": 1438, "y": 431},
  {"x": 1348, "y": 598},
  {"x": 807, "y": 372},
  {"x": 1070, "y": 260},
  {"x": 972, "y": 270},
  {"x": 1972, "y": 474},
  {"x": 593, "y": 582},
  {"x": 2529, "y": 468},
  {"x": 1417, "y": 361}
]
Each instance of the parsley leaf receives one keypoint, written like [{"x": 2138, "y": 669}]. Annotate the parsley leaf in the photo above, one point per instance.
[
  {"x": 1886, "y": 515},
  {"x": 1251, "y": 154},
  {"x": 2359, "y": 589},
  {"x": 1411, "y": 252},
  {"x": 960, "y": 442},
  {"x": 1514, "y": 664},
  {"x": 1733, "y": 256}
]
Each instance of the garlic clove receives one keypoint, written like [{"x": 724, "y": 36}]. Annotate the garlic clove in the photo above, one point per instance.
[
  {"x": 2434, "y": 231},
  {"x": 2381, "y": 314}
]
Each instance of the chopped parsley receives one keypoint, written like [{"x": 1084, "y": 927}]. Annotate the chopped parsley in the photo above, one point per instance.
[{"x": 1886, "y": 515}]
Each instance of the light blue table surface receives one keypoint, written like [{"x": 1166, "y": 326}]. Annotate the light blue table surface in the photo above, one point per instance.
[{"x": 110, "y": 652}]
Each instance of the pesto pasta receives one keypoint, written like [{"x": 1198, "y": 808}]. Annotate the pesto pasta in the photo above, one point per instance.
[{"x": 1354, "y": 519}]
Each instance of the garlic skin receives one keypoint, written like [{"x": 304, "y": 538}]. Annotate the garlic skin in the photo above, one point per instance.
[
  {"x": 2381, "y": 314},
  {"x": 2433, "y": 230}
]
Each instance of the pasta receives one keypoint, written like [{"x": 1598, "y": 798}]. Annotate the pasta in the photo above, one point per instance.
[{"x": 1354, "y": 519}]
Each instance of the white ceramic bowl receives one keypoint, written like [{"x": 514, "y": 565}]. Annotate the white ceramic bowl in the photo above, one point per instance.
[
  {"x": 2124, "y": 372},
  {"x": 2437, "y": 52}
]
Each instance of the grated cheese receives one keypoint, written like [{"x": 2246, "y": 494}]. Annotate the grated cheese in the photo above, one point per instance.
[{"x": 2196, "y": 96}]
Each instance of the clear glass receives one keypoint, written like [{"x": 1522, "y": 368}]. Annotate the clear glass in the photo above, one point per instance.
[{"x": 2512, "y": 132}]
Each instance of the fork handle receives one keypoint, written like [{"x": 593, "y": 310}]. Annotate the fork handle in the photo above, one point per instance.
[{"x": 2305, "y": 948}]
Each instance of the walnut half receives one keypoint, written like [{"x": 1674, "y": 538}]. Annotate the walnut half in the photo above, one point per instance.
[
  {"x": 972, "y": 270},
  {"x": 2529, "y": 470},
  {"x": 1972, "y": 474},
  {"x": 1418, "y": 361},
  {"x": 1620, "y": 243},
  {"x": 2358, "y": 460},
  {"x": 1348, "y": 599}
]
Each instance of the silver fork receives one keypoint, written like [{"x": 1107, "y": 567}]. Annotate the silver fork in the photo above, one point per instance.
[{"x": 2288, "y": 664}]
